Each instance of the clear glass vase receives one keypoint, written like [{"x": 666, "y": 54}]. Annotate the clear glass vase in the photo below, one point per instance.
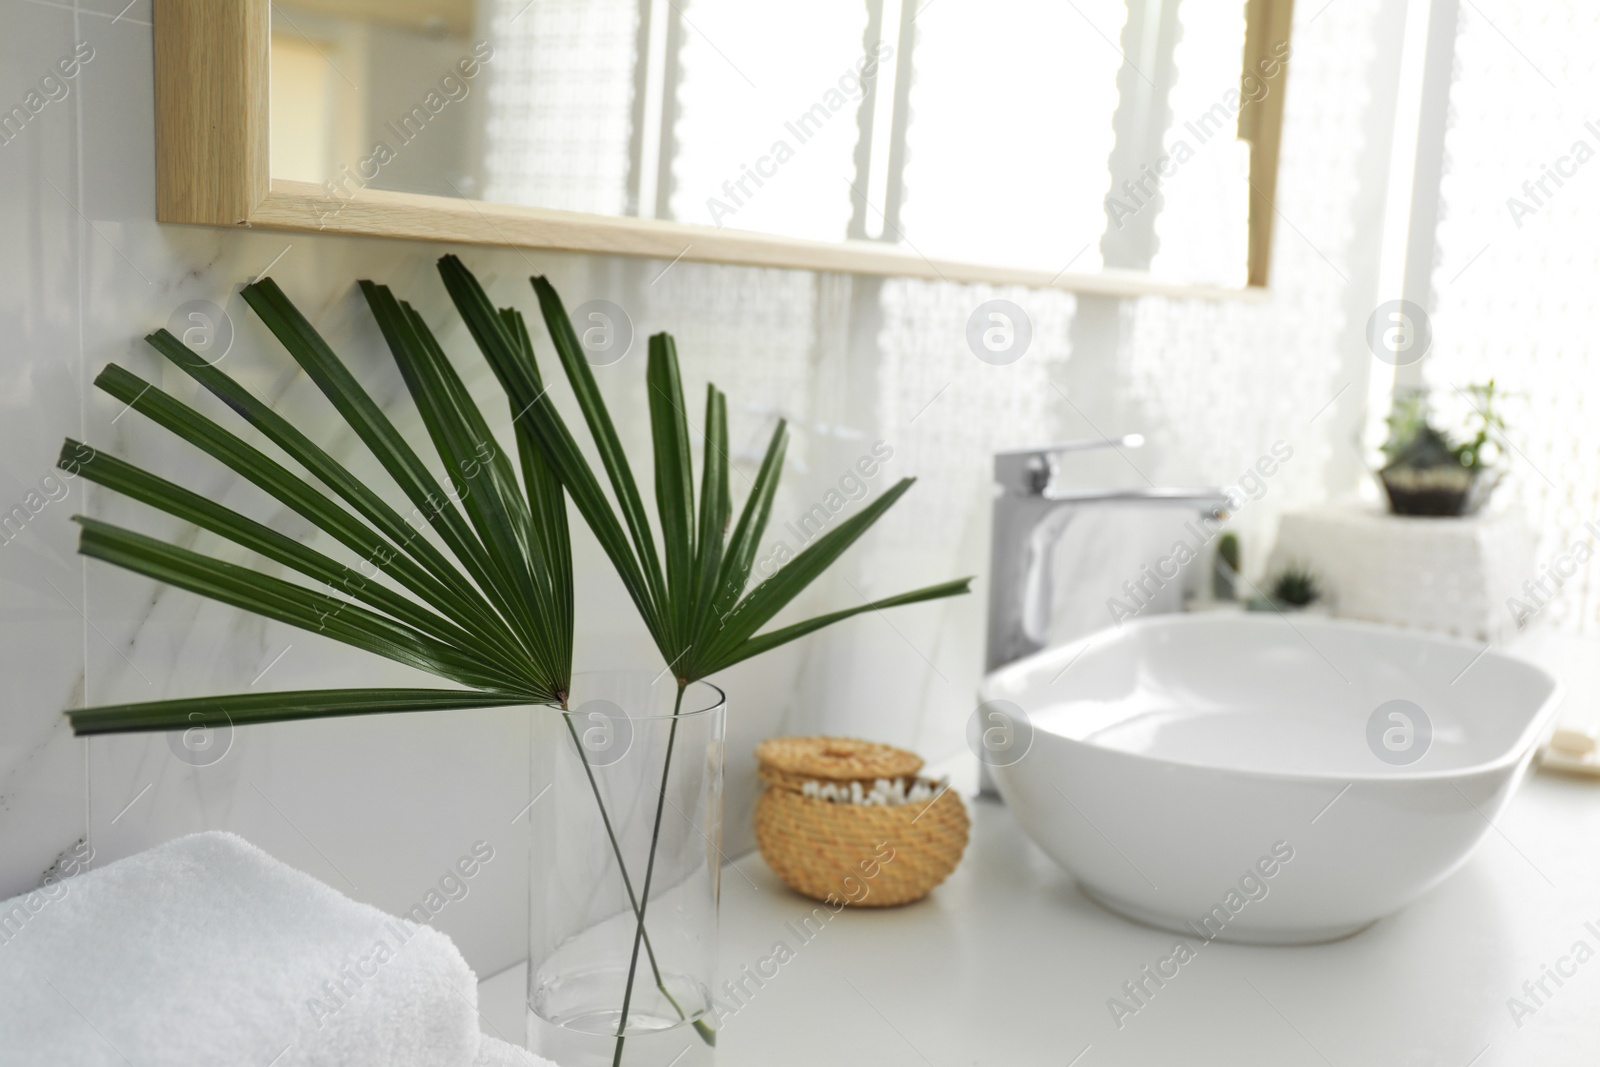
[{"x": 626, "y": 839}]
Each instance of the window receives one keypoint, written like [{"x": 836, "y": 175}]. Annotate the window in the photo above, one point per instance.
[{"x": 1515, "y": 260}]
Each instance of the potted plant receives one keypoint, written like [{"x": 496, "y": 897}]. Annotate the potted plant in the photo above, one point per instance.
[
  {"x": 488, "y": 606},
  {"x": 1294, "y": 588},
  {"x": 1430, "y": 472}
]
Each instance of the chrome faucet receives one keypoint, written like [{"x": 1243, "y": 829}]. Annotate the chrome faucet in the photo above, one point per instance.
[{"x": 1030, "y": 514}]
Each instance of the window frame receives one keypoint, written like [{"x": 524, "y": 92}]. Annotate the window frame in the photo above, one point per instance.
[{"x": 212, "y": 66}]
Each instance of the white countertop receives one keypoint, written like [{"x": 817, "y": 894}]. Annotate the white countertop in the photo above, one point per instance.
[{"x": 1008, "y": 963}]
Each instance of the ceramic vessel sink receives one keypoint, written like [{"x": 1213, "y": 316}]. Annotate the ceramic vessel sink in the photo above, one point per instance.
[{"x": 1253, "y": 778}]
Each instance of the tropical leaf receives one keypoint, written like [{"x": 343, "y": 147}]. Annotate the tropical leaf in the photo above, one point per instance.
[
  {"x": 431, "y": 500},
  {"x": 741, "y": 553},
  {"x": 772, "y": 639},
  {"x": 504, "y": 342},
  {"x": 693, "y": 598},
  {"x": 698, "y": 613},
  {"x": 496, "y": 614},
  {"x": 417, "y": 564},
  {"x": 497, "y": 618},
  {"x": 604, "y": 434},
  {"x": 284, "y": 601},
  {"x": 674, "y": 483},
  {"x": 489, "y": 492},
  {"x": 715, "y": 510},
  {"x": 774, "y": 594},
  {"x": 179, "y": 502},
  {"x": 249, "y": 709}
]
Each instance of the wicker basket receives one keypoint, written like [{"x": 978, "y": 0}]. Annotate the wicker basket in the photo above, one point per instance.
[{"x": 873, "y": 856}]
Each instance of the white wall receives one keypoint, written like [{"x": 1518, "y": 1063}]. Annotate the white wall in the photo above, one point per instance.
[{"x": 378, "y": 807}]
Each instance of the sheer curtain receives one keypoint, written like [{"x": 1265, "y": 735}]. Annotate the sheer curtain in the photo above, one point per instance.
[
  {"x": 854, "y": 360},
  {"x": 560, "y": 103},
  {"x": 1517, "y": 260}
]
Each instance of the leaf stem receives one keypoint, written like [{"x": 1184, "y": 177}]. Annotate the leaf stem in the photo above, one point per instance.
[
  {"x": 622, "y": 867},
  {"x": 649, "y": 873}
]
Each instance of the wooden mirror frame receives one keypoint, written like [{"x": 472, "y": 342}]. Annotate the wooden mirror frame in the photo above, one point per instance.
[{"x": 212, "y": 70}]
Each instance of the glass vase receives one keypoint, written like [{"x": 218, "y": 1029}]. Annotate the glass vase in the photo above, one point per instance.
[{"x": 626, "y": 838}]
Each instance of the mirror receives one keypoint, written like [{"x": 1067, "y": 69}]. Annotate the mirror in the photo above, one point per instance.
[{"x": 1011, "y": 140}]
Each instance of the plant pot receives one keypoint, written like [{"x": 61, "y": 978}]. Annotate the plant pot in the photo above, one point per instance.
[
  {"x": 1437, "y": 492},
  {"x": 1224, "y": 580},
  {"x": 626, "y": 818}
]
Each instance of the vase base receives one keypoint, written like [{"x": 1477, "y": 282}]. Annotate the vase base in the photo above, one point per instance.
[{"x": 680, "y": 1045}]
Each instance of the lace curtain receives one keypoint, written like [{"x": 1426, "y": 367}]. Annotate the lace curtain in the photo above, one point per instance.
[
  {"x": 1516, "y": 260},
  {"x": 853, "y": 361}
]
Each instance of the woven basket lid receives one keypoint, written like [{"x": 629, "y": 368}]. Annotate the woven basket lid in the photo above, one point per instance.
[{"x": 838, "y": 758}]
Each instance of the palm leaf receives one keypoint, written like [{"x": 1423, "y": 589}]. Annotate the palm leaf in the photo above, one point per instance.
[
  {"x": 490, "y": 497},
  {"x": 768, "y": 641},
  {"x": 286, "y": 602},
  {"x": 604, "y": 434},
  {"x": 510, "y": 354},
  {"x": 204, "y": 512},
  {"x": 674, "y": 486},
  {"x": 741, "y": 553},
  {"x": 545, "y": 498},
  {"x": 375, "y": 430},
  {"x": 707, "y": 623},
  {"x": 681, "y": 608},
  {"x": 248, "y": 709},
  {"x": 390, "y": 545},
  {"x": 496, "y": 619},
  {"x": 715, "y": 510}
]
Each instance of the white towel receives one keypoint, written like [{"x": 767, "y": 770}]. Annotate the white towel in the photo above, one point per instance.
[
  {"x": 207, "y": 951},
  {"x": 496, "y": 1053}
]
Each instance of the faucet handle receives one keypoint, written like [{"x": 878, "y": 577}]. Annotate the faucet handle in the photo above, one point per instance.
[{"x": 1028, "y": 471}]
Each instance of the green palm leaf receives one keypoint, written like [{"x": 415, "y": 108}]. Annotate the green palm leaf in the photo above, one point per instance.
[
  {"x": 204, "y": 512},
  {"x": 504, "y": 342},
  {"x": 741, "y": 553},
  {"x": 389, "y": 544},
  {"x": 284, "y": 601},
  {"x": 545, "y": 498},
  {"x": 495, "y": 615},
  {"x": 363, "y": 415},
  {"x": 490, "y": 494},
  {"x": 496, "y": 619},
  {"x": 694, "y": 603},
  {"x": 248, "y": 709},
  {"x": 715, "y": 510},
  {"x": 612, "y": 457},
  {"x": 674, "y": 483}
]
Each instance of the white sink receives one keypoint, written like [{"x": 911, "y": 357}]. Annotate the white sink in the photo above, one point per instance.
[{"x": 1213, "y": 774}]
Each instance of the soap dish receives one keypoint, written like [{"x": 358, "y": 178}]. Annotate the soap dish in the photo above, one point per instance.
[
  {"x": 1571, "y": 750},
  {"x": 853, "y": 822}
]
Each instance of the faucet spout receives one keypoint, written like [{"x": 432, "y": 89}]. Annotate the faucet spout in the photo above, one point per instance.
[
  {"x": 1201, "y": 498},
  {"x": 1030, "y": 515}
]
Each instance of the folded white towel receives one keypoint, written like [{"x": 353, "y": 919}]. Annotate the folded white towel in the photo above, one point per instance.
[
  {"x": 496, "y": 1053},
  {"x": 207, "y": 951}
]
